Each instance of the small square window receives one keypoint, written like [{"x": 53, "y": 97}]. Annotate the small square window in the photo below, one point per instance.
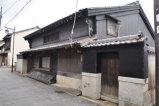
[{"x": 112, "y": 27}]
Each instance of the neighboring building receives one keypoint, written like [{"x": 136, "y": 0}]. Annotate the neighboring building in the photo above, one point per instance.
[
  {"x": 3, "y": 54},
  {"x": 19, "y": 45},
  {"x": 107, "y": 57}
]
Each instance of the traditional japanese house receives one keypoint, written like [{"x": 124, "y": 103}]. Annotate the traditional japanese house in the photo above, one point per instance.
[
  {"x": 19, "y": 45},
  {"x": 3, "y": 54},
  {"x": 110, "y": 55}
]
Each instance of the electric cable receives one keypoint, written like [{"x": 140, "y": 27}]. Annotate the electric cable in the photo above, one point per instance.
[
  {"x": 10, "y": 7},
  {"x": 74, "y": 22},
  {"x": 16, "y": 14}
]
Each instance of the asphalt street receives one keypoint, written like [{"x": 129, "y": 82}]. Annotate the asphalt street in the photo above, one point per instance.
[{"x": 17, "y": 90}]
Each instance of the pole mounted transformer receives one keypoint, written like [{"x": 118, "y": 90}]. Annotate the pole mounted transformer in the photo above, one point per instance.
[{"x": 156, "y": 26}]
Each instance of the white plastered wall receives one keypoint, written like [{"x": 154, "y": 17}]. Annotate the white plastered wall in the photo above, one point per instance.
[
  {"x": 19, "y": 44},
  {"x": 21, "y": 66},
  {"x": 133, "y": 92},
  {"x": 9, "y": 58}
]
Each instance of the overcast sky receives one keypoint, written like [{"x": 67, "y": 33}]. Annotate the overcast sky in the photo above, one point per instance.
[{"x": 44, "y": 12}]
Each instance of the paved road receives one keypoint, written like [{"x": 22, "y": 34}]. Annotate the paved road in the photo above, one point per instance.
[{"x": 16, "y": 90}]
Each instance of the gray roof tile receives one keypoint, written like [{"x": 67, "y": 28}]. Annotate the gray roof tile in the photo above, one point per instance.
[{"x": 115, "y": 41}]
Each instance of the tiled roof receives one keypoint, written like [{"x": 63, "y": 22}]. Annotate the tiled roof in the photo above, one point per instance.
[
  {"x": 9, "y": 35},
  {"x": 127, "y": 5},
  {"x": 115, "y": 41},
  {"x": 92, "y": 12},
  {"x": 91, "y": 42},
  {"x": 64, "y": 44}
]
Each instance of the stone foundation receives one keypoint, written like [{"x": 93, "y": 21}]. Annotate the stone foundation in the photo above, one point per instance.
[
  {"x": 42, "y": 76},
  {"x": 69, "y": 82}
]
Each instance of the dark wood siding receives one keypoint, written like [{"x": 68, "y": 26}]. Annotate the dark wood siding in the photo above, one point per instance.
[
  {"x": 35, "y": 61},
  {"x": 69, "y": 63},
  {"x": 110, "y": 69},
  {"x": 30, "y": 63},
  {"x": 90, "y": 61},
  {"x": 50, "y": 38},
  {"x": 131, "y": 59},
  {"x": 130, "y": 23},
  {"x": 81, "y": 30}
]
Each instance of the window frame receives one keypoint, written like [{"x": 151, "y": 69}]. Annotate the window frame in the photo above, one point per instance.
[
  {"x": 49, "y": 35},
  {"x": 40, "y": 63},
  {"x": 46, "y": 63},
  {"x": 108, "y": 20}
]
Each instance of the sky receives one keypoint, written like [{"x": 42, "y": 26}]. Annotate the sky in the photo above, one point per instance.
[{"x": 43, "y": 12}]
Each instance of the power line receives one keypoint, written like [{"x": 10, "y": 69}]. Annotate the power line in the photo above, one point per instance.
[
  {"x": 16, "y": 14},
  {"x": 74, "y": 21},
  {"x": 10, "y": 6}
]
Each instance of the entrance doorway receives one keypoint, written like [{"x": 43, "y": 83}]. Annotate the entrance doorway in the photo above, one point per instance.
[{"x": 109, "y": 69}]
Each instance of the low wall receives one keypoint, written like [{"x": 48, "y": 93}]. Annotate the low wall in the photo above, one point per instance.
[
  {"x": 69, "y": 82},
  {"x": 91, "y": 85},
  {"x": 133, "y": 92},
  {"x": 21, "y": 65}
]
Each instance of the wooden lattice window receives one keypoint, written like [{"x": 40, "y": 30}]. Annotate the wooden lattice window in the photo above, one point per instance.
[
  {"x": 45, "y": 62},
  {"x": 52, "y": 37}
]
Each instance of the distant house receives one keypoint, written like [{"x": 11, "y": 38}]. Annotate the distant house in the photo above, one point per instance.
[
  {"x": 19, "y": 45},
  {"x": 110, "y": 54},
  {"x": 3, "y": 59}
]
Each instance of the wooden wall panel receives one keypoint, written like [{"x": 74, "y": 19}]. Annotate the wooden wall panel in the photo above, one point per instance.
[
  {"x": 110, "y": 70},
  {"x": 69, "y": 61}
]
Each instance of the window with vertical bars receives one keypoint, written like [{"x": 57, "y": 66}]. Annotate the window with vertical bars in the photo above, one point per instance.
[{"x": 45, "y": 62}]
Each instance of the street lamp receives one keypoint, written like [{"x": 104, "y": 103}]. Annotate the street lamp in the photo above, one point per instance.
[{"x": 7, "y": 32}]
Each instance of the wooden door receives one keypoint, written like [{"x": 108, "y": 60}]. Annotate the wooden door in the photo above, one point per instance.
[{"x": 110, "y": 70}]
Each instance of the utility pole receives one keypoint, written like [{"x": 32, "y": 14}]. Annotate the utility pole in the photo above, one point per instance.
[
  {"x": 156, "y": 24},
  {"x": 0, "y": 17},
  {"x": 13, "y": 34}
]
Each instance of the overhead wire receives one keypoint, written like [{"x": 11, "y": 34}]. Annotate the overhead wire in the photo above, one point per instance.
[
  {"x": 74, "y": 22},
  {"x": 34, "y": 20},
  {"x": 16, "y": 15},
  {"x": 10, "y": 7},
  {"x": 7, "y": 4}
]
